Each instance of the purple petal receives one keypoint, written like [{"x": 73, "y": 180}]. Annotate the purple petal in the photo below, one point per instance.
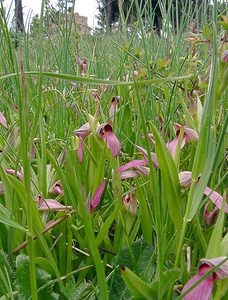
[
  {"x": 128, "y": 174},
  {"x": 216, "y": 198},
  {"x": 83, "y": 131},
  {"x": 185, "y": 178},
  {"x": 3, "y": 120},
  {"x": 97, "y": 195},
  {"x": 132, "y": 164},
  {"x": 222, "y": 271},
  {"x": 50, "y": 204},
  {"x": 203, "y": 290}
]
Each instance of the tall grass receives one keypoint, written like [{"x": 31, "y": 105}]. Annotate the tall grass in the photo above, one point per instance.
[{"x": 147, "y": 249}]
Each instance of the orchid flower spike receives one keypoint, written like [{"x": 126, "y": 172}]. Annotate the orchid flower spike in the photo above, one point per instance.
[
  {"x": 106, "y": 133},
  {"x": 203, "y": 291}
]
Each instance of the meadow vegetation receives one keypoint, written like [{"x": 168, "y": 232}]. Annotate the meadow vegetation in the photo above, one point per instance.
[{"x": 113, "y": 162}]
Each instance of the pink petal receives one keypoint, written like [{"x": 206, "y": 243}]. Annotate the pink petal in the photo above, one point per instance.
[
  {"x": 130, "y": 203},
  {"x": 185, "y": 178},
  {"x": 151, "y": 137},
  {"x": 224, "y": 57},
  {"x": 203, "y": 290},
  {"x": 132, "y": 164},
  {"x": 128, "y": 174},
  {"x": 50, "y": 204},
  {"x": 83, "y": 131},
  {"x": 80, "y": 150},
  {"x": 114, "y": 106},
  {"x": 210, "y": 216},
  {"x": 3, "y": 120},
  {"x": 222, "y": 271},
  {"x": 191, "y": 135},
  {"x": 57, "y": 188},
  {"x": 177, "y": 126},
  {"x": 143, "y": 170},
  {"x": 216, "y": 198},
  {"x": 113, "y": 144},
  {"x": 97, "y": 195},
  {"x": 153, "y": 156},
  {"x": 1, "y": 189},
  {"x": 13, "y": 172},
  {"x": 172, "y": 146}
]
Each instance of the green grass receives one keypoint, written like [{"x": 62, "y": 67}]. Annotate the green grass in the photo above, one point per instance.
[{"x": 112, "y": 252}]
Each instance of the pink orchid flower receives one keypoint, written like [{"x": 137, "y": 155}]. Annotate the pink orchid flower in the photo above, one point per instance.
[
  {"x": 19, "y": 174},
  {"x": 82, "y": 133},
  {"x": 3, "y": 120},
  {"x": 50, "y": 204},
  {"x": 57, "y": 188},
  {"x": 83, "y": 67},
  {"x": 114, "y": 106},
  {"x": 203, "y": 291},
  {"x": 186, "y": 180},
  {"x": 105, "y": 131},
  {"x": 97, "y": 196},
  {"x": 138, "y": 164},
  {"x": 130, "y": 203},
  {"x": 210, "y": 215},
  {"x": 190, "y": 136}
]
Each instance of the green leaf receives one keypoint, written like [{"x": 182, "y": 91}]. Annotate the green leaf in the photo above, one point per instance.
[
  {"x": 6, "y": 219},
  {"x": 139, "y": 289},
  {"x": 96, "y": 81},
  {"x": 136, "y": 257},
  {"x": 73, "y": 291},
  {"x": 170, "y": 179},
  {"x": 214, "y": 247},
  {"x": 23, "y": 280}
]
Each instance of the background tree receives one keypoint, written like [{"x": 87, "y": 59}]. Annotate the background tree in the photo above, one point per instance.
[
  {"x": 109, "y": 12},
  {"x": 19, "y": 16}
]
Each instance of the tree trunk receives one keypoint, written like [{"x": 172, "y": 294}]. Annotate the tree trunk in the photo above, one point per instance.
[
  {"x": 109, "y": 13},
  {"x": 19, "y": 16}
]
